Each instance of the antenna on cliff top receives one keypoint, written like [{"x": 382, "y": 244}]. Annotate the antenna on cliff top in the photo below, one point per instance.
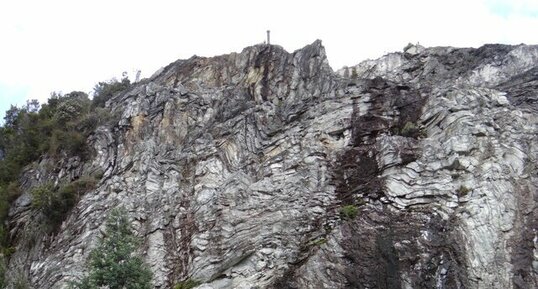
[{"x": 268, "y": 37}]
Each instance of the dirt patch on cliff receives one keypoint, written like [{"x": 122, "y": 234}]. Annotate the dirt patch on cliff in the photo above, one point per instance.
[
  {"x": 386, "y": 247},
  {"x": 392, "y": 107}
]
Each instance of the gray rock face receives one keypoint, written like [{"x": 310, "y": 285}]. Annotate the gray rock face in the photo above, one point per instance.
[{"x": 236, "y": 169}]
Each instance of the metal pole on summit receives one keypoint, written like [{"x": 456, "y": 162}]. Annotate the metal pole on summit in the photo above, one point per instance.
[{"x": 268, "y": 37}]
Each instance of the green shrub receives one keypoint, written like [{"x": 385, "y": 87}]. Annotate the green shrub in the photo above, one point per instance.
[
  {"x": 13, "y": 191},
  {"x": 97, "y": 174},
  {"x": 318, "y": 242},
  {"x": 51, "y": 204},
  {"x": 43, "y": 196},
  {"x": 187, "y": 284},
  {"x": 7, "y": 252},
  {"x": 463, "y": 191},
  {"x": 70, "y": 110},
  {"x": 74, "y": 190},
  {"x": 71, "y": 142},
  {"x": 112, "y": 264},
  {"x": 4, "y": 233},
  {"x": 58, "y": 128},
  {"x": 4, "y": 209},
  {"x": 410, "y": 129},
  {"x": 3, "y": 269},
  {"x": 349, "y": 212},
  {"x": 55, "y": 203},
  {"x": 103, "y": 91}
]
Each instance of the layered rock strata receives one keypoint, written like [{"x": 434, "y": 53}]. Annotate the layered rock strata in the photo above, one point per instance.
[{"x": 237, "y": 171}]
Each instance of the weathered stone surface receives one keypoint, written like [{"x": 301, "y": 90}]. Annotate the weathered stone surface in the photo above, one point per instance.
[{"x": 235, "y": 169}]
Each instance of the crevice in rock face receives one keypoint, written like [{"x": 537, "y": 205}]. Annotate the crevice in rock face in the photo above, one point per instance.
[
  {"x": 288, "y": 279},
  {"x": 263, "y": 61},
  {"x": 523, "y": 241},
  {"x": 178, "y": 240}
]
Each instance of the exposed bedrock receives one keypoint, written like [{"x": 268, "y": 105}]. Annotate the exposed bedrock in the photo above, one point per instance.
[{"x": 237, "y": 171}]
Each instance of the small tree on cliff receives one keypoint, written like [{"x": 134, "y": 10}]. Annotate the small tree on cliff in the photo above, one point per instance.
[{"x": 112, "y": 264}]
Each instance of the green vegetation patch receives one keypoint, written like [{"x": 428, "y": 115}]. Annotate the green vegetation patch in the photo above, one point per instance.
[
  {"x": 349, "y": 212},
  {"x": 463, "y": 191},
  {"x": 187, "y": 284},
  {"x": 114, "y": 264},
  {"x": 57, "y": 129},
  {"x": 55, "y": 203},
  {"x": 318, "y": 242}
]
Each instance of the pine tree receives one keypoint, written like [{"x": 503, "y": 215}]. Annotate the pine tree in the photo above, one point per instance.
[{"x": 112, "y": 264}]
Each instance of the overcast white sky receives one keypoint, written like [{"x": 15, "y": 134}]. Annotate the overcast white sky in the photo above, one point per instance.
[{"x": 66, "y": 45}]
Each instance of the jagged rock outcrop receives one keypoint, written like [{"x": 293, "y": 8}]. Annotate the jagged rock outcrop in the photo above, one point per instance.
[{"x": 235, "y": 170}]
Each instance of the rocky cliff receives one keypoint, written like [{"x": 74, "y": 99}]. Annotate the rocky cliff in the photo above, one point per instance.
[{"x": 266, "y": 169}]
